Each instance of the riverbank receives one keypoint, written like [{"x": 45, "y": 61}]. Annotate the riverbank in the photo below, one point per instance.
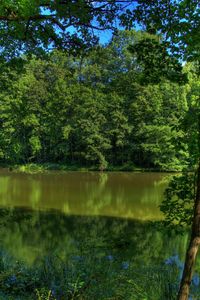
[
  {"x": 45, "y": 167},
  {"x": 80, "y": 277}
]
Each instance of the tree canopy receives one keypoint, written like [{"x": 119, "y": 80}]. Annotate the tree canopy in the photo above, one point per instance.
[
  {"x": 28, "y": 26},
  {"x": 92, "y": 110}
]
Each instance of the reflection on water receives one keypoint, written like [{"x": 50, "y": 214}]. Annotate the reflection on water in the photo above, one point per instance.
[
  {"x": 77, "y": 215},
  {"x": 57, "y": 213},
  {"x": 128, "y": 195},
  {"x": 29, "y": 235}
]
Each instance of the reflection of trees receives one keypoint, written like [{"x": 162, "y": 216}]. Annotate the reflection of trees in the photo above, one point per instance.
[
  {"x": 127, "y": 195},
  {"x": 28, "y": 235}
]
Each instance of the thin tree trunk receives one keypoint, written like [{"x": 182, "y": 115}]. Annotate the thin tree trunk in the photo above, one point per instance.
[
  {"x": 188, "y": 269},
  {"x": 194, "y": 241}
]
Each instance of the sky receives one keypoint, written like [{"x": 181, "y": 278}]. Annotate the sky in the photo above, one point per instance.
[{"x": 103, "y": 35}]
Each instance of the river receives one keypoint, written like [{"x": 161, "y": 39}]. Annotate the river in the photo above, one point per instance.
[{"x": 72, "y": 215}]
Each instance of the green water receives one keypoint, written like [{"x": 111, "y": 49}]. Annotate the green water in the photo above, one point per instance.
[
  {"x": 123, "y": 195},
  {"x": 67, "y": 214}
]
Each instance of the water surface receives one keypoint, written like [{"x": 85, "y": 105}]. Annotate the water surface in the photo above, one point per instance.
[
  {"x": 123, "y": 195},
  {"x": 67, "y": 214}
]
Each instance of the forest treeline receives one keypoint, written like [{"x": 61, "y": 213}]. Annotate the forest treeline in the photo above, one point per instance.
[{"x": 96, "y": 109}]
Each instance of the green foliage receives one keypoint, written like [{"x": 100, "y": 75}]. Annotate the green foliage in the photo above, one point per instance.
[
  {"x": 177, "y": 22},
  {"x": 178, "y": 202},
  {"x": 180, "y": 195},
  {"x": 155, "y": 61},
  {"x": 92, "y": 110},
  {"x": 86, "y": 278},
  {"x": 37, "y": 26}
]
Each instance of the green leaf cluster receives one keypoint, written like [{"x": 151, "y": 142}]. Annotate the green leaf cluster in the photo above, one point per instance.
[{"x": 93, "y": 109}]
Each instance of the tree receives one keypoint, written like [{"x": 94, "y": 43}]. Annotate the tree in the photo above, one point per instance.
[
  {"x": 179, "y": 23},
  {"x": 37, "y": 26},
  {"x": 179, "y": 205},
  {"x": 156, "y": 112},
  {"x": 92, "y": 110},
  {"x": 88, "y": 123},
  {"x": 28, "y": 26}
]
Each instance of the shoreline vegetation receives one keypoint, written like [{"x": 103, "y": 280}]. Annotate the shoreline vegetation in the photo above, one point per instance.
[
  {"x": 101, "y": 86},
  {"x": 97, "y": 112},
  {"x": 34, "y": 168},
  {"x": 19, "y": 282}
]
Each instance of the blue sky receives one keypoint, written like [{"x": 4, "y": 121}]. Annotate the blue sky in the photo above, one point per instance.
[{"x": 103, "y": 35}]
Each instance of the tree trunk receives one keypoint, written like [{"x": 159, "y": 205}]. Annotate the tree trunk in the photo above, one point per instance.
[
  {"x": 188, "y": 269},
  {"x": 194, "y": 242}
]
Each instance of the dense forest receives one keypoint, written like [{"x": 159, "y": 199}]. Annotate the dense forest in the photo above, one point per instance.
[
  {"x": 132, "y": 103},
  {"x": 95, "y": 109}
]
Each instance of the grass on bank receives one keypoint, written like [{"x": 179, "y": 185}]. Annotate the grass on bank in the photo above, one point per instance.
[
  {"x": 40, "y": 168},
  {"x": 32, "y": 168},
  {"x": 85, "y": 278}
]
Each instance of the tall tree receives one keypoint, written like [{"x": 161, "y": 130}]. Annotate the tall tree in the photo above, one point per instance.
[
  {"x": 179, "y": 23},
  {"x": 28, "y": 26}
]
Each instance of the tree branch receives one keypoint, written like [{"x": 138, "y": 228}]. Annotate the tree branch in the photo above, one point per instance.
[
  {"x": 51, "y": 18},
  {"x": 26, "y": 18}
]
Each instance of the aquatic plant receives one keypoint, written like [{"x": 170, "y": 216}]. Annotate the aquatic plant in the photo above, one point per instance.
[{"x": 86, "y": 277}]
